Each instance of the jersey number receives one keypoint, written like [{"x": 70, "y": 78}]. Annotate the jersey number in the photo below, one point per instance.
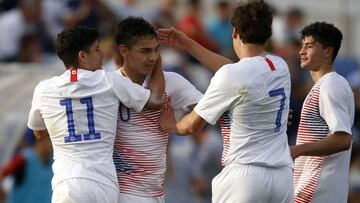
[
  {"x": 73, "y": 137},
  {"x": 122, "y": 117},
  {"x": 274, "y": 93}
]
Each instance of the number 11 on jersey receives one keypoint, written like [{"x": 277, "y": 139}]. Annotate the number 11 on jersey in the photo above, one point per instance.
[{"x": 73, "y": 137}]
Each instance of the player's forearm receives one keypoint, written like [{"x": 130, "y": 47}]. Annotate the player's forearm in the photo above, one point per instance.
[
  {"x": 207, "y": 58},
  {"x": 337, "y": 142},
  {"x": 157, "y": 89},
  {"x": 189, "y": 124}
]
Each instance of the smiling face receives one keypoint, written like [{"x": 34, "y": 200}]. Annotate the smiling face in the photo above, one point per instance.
[
  {"x": 312, "y": 54},
  {"x": 142, "y": 56}
]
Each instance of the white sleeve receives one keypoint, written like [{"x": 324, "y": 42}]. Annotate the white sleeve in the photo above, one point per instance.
[
  {"x": 181, "y": 91},
  {"x": 130, "y": 94},
  {"x": 219, "y": 97},
  {"x": 337, "y": 106},
  {"x": 35, "y": 120}
]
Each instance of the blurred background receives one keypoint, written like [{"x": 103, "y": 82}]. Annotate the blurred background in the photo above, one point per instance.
[{"x": 28, "y": 29}]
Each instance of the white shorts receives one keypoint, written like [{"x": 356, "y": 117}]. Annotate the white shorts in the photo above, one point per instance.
[
  {"x": 253, "y": 184},
  {"x": 82, "y": 190},
  {"x": 127, "y": 198}
]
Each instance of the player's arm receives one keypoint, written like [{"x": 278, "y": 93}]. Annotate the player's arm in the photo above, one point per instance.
[
  {"x": 175, "y": 38},
  {"x": 40, "y": 134},
  {"x": 334, "y": 143},
  {"x": 189, "y": 124},
  {"x": 156, "y": 87}
]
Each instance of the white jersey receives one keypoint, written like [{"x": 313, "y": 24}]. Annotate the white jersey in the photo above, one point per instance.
[
  {"x": 254, "y": 93},
  {"x": 328, "y": 108},
  {"x": 81, "y": 120},
  {"x": 140, "y": 146}
]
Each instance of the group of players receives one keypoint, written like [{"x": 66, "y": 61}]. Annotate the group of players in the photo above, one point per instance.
[{"x": 109, "y": 130}]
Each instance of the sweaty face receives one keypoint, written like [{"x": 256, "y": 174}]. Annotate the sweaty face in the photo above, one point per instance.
[
  {"x": 142, "y": 56},
  {"x": 312, "y": 53},
  {"x": 93, "y": 59}
]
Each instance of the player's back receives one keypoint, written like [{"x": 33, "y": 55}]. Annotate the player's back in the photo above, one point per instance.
[
  {"x": 81, "y": 120},
  {"x": 258, "y": 117}
]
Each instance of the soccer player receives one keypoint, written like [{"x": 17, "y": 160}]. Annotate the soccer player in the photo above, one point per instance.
[
  {"x": 78, "y": 110},
  {"x": 254, "y": 93},
  {"x": 141, "y": 145},
  {"x": 323, "y": 145}
]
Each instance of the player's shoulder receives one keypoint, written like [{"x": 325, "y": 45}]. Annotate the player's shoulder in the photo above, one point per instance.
[
  {"x": 333, "y": 80},
  {"x": 168, "y": 75}
]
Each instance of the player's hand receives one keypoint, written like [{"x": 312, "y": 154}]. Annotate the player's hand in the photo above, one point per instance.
[
  {"x": 172, "y": 37},
  {"x": 290, "y": 117},
  {"x": 158, "y": 64},
  {"x": 167, "y": 119},
  {"x": 295, "y": 151}
]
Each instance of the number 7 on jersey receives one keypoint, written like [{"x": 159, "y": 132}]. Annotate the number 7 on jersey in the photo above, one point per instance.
[{"x": 274, "y": 93}]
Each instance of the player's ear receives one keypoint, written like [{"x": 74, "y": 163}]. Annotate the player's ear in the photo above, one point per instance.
[
  {"x": 81, "y": 57},
  {"x": 235, "y": 34},
  {"x": 122, "y": 50},
  {"x": 328, "y": 52}
]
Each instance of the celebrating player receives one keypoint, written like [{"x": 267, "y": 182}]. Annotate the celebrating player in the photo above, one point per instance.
[{"x": 78, "y": 110}]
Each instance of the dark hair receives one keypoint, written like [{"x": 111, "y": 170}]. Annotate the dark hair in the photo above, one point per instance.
[
  {"x": 253, "y": 21},
  {"x": 132, "y": 29},
  {"x": 324, "y": 33},
  {"x": 73, "y": 40}
]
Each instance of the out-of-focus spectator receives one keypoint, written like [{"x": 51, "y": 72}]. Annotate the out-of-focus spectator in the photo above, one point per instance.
[
  {"x": 354, "y": 176},
  {"x": 179, "y": 173},
  {"x": 286, "y": 29},
  {"x": 17, "y": 22},
  {"x": 193, "y": 27},
  {"x": 32, "y": 173},
  {"x": 6, "y": 5},
  {"x": 206, "y": 162},
  {"x": 30, "y": 49},
  {"x": 127, "y": 8},
  {"x": 220, "y": 29},
  {"x": 59, "y": 14}
]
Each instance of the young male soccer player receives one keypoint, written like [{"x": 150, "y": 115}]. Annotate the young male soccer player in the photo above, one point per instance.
[
  {"x": 78, "y": 111},
  {"x": 323, "y": 145},
  {"x": 141, "y": 145},
  {"x": 255, "y": 93}
]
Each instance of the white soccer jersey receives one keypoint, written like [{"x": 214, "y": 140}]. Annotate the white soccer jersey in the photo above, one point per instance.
[
  {"x": 255, "y": 93},
  {"x": 140, "y": 145},
  {"x": 81, "y": 120},
  {"x": 328, "y": 108}
]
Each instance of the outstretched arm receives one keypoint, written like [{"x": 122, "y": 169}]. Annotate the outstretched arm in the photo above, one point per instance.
[
  {"x": 189, "y": 124},
  {"x": 177, "y": 39},
  {"x": 157, "y": 87},
  {"x": 334, "y": 143}
]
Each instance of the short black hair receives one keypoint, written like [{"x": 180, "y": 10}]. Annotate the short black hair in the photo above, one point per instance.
[
  {"x": 73, "y": 40},
  {"x": 253, "y": 21},
  {"x": 324, "y": 33},
  {"x": 132, "y": 29}
]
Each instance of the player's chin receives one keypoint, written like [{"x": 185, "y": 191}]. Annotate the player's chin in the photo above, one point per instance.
[{"x": 148, "y": 70}]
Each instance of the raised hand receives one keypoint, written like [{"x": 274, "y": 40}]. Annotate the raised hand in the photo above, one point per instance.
[
  {"x": 172, "y": 37},
  {"x": 167, "y": 119}
]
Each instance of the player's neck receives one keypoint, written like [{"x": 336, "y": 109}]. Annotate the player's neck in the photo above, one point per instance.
[
  {"x": 134, "y": 77},
  {"x": 318, "y": 73},
  {"x": 251, "y": 50}
]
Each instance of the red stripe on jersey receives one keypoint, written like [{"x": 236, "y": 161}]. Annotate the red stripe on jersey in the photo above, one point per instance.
[
  {"x": 73, "y": 75},
  {"x": 270, "y": 63},
  {"x": 225, "y": 132}
]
